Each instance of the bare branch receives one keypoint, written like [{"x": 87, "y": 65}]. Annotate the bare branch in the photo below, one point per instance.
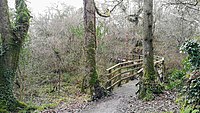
[
  {"x": 119, "y": 2},
  {"x": 189, "y": 5},
  {"x": 183, "y": 3},
  {"x": 107, "y": 13}
]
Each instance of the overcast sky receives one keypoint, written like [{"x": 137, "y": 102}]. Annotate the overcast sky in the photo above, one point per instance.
[{"x": 38, "y": 6}]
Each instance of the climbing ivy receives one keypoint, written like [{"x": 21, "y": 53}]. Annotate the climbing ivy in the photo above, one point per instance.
[
  {"x": 192, "y": 48},
  {"x": 23, "y": 13},
  {"x": 191, "y": 90},
  {"x": 10, "y": 51},
  {"x": 22, "y": 20}
]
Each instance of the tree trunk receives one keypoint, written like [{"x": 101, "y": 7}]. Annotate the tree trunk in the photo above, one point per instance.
[
  {"x": 90, "y": 49},
  {"x": 12, "y": 40},
  {"x": 148, "y": 78}
]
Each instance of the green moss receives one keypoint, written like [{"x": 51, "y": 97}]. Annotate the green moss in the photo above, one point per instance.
[
  {"x": 3, "y": 108},
  {"x": 149, "y": 95},
  {"x": 47, "y": 106},
  {"x": 10, "y": 61},
  {"x": 14, "y": 106},
  {"x": 94, "y": 78},
  {"x": 91, "y": 62},
  {"x": 3, "y": 111},
  {"x": 149, "y": 72},
  {"x": 148, "y": 89},
  {"x": 146, "y": 92},
  {"x": 149, "y": 86}
]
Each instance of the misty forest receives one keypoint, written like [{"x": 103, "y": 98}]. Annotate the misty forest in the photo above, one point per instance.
[{"x": 110, "y": 56}]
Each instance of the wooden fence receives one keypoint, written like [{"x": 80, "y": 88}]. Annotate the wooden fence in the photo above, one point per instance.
[{"x": 125, "y": 71}]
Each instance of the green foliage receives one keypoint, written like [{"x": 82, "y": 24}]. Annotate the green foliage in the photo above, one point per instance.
[
  {"x": 101, "y": 30},
  {"x": 149, "y": 95},
  {"x": 3, "y": 108},
  {"x": 192, "y": 48},
  {"x": 186, "y": 65},
  {"x": 176, "y": 79},
  {"x": 3, "y": 111},
  {"x": 191, "y": 90},
  {"x": 78, "y": 31},
  {"x": 148, "y": 90},
  {"x": 23, "y": 14},
  {"x": 45, "y": 106},
  {"x": 16, "y": 106},
  {"x": 29, "y": 108},
  {"x": 177, "y": 74},
  {"x": 189, "y": 110}
]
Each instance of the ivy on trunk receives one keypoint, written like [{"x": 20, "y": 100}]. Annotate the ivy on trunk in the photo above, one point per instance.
[{"x": 12, "y": 40}]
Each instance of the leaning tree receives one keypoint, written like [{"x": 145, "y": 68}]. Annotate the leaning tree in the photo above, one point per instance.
[{"x": 12, "y": 36}]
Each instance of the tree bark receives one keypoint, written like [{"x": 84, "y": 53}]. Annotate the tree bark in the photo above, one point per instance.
[
  {"x": 148, "y": 78},
  {"x": 90, "y": 48},
  {"x": 12, "y": 40}
]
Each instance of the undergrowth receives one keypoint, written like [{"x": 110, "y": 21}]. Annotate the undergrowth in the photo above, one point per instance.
[{"x": 187, "y": 80}]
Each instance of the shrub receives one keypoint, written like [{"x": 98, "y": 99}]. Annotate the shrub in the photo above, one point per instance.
[
  {"x": 191, "y": 89},
  {"x": 177, "y": 77}
]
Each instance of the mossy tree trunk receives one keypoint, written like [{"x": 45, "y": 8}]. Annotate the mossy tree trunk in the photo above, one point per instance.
[
  {"x": 90, "y": 49},
  {"x": 148, "y": 78},
  {"x": 12, "y": 37}
]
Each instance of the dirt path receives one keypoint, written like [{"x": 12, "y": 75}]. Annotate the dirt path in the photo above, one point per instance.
[
  {"x": 124, "y": 100},
  {"x": 110, "y": 104}
]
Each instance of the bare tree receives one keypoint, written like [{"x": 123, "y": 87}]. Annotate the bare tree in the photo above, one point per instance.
[
  {"x": 90, "y": 49},
  {"x": 148, "y": 78}
]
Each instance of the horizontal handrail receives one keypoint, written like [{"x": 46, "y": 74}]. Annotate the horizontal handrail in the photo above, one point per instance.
[
  {"x": 127, "y": 66},
  {"x": 123, "y": 73},
  {"x": 118, "y": 71},
  {"x": 123, "y": 63},
  {"x": 117, "y": 82}
]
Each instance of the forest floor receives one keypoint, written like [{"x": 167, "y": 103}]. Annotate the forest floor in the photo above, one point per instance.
[{"x": 124, "y": 100}]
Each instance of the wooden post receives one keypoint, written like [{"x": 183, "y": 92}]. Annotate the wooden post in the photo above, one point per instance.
[
  {"x": 163, "y": 70},
  {"x": 119, "y": 78},
  {"x": 132, "y": 72},
  {"x": 110, "y": 82}
]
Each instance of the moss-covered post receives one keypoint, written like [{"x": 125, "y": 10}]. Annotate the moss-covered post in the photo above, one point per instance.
[
  {"x": 90, "y": 48},
  {"x": 12, "y": 37},
  {"x": 148, "y": 78}
]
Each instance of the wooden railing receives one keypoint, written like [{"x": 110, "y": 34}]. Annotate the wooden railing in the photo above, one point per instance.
[{"x": 125, "y": 71}]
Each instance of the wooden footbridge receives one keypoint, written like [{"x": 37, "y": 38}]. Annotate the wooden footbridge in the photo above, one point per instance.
[{"x": 132, "y": 69}]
